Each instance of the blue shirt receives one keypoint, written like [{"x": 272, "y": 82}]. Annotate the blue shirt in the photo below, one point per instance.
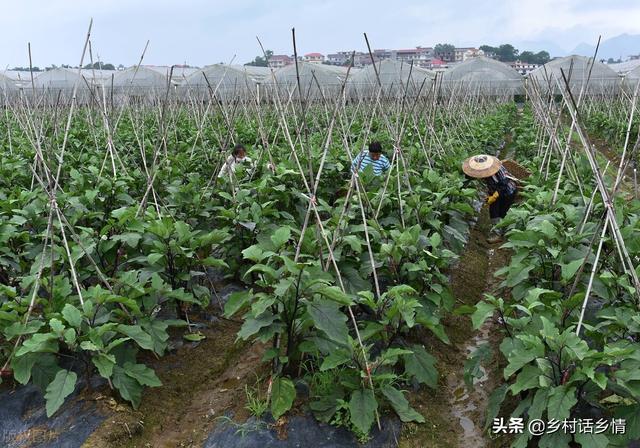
[{"x": 363, "y": 160}]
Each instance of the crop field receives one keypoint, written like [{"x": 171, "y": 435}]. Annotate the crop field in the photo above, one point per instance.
[{"x": 174, "y": 305}]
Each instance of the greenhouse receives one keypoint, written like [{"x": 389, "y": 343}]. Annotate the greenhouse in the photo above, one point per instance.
[
  {"x": 223, "y": 81},
  {"x": 316, "y": 81},
  {"x": 141, "y": 79},
  {"x": 64, "y": 79},
  {"x": 632, "y": 78},
  {"x": 396, "y": 78},
  {"x": 482, "y": 76},
  {"x": 6, "y": 83},
  {"x": 580, "y": 72}
]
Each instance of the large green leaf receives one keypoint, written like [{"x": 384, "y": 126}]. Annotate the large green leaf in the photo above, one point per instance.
[
  {"x": 39, "y": 343},
  {"x": 495, "y": 401},
  {"x": 280, "y": 237},
  {"x": 336, "y": 358},
  {"x": 592, "y": 440},
  {"x": 472, "y": 366},
  {"x": 482, "y": 312},
  {"x": 22, "y": 366},
  {"x": 327, "y": 317},
  {"x": 72, "y": 315},
  {"x": 236, "y": 301},
  {"x": 128, "y": 387},
  {"x": 283, "y": 392},
  {"x": 561, "y": 400},
  {"x": 522, "y": 354},
  {"x": 401, "y": 405},
  {"x": 104, "y": 363},
  {"x": 558, "y": 439},
  {"x": 135, "y": 332},
  {"x": 421, "y": 365},
  {"x": 143, "y": 374},
  {"x": 252, "y": 325},
  {"x": 334, "y": 293},
  {"x": 528, "y": 378},
  {"x": 60, "y": 388},
  {"x": 570, "y": 269},
  {"x": 362, "y": 408}
]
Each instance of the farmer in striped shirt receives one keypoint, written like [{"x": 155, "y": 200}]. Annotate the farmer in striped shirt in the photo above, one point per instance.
[{"x": 373, "y": 157}]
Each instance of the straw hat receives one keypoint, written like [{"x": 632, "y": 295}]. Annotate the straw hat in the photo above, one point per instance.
[{"x": 481, "y": 166}]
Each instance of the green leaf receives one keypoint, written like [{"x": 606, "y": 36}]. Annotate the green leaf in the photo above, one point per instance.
[
  {"x": 327, "y": 317},
  {"x": 128, "y": 387},
  {"x": 56, "y": 326},
  {"x": 194, "y": 337},
  {"x": 561, "y": 400},
  {"x": 336, "y": 358},
  {"x": 283, "y": 392},
  {"x": 421, "y": 365},
  {"x": 472, "y": 366},
  {"x": 39, "y": 343},
  {"x": 362, "y": 407},
  {"x": 44, "y": 370},
  {"x": 131, "y": 239},
  {"x": 252, "y": 325},
  {"x": 528, "y": 378},
  {"x": 104, "y": 363},
  {"x": 482, "y": 312},
  {"x": 520, "y": 355},
  {"x": 570, "y": 269},
  {"x": 558, "y": 439},
  {"x": 280, "y": 237},
  {"x": 334, "y": 293},
  {"x": 154, "y": 257},
  {"x": 214, "y": 263},
  {"x": 143, "y": 374},
  {"x": 22, "y": 366},
  {"x": 592, "y": 440},
  {"x": 495, "y": 401},
  {"x": 135, "y": 332},
  {"x": 236, "y": 301},
  {"x": 60, "y": 388},
  {"x": 401, "y": 405},
  {"x": 539, "y": 404},
  {"x": 72, "y": 315},
  {"x": 253, "y": 253}
]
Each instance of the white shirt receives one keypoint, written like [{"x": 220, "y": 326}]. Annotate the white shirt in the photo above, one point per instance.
[{"x": 230, "y": 164}]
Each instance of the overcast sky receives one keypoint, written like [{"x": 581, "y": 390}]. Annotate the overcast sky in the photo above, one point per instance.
[{"x": 201, "y": 32}]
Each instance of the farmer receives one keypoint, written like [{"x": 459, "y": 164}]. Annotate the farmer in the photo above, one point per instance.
[
  {"x": 501, "y": 186},
  {"x": 372, "y": 157},
  {"x": 238, "y": 155}
]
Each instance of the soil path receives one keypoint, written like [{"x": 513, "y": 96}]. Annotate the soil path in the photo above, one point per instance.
[
  {"x": 200, "y": 385},
  {"x": 454, "y": 414},
  {"x": 473, "y": 278}
]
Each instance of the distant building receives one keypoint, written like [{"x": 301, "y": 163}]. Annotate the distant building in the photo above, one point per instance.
[
  {"x": 464, "y": 53},
  {"x": 339, "y": 58},
  {"x": 381, "y": 55},
  {"x": 523, "y": 67},
  {"x": 280, "y": 60},
  {"x": 314, "y": 58},
  {"x": 437, "y": 63},
  {"x": 419, "y": 56}
]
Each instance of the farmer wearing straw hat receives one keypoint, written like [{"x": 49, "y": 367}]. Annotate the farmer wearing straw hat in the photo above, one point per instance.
[{"x": 500, "y": 183}]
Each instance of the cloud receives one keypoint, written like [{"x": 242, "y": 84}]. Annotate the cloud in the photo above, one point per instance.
[{"x": 201, "y": 32}]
